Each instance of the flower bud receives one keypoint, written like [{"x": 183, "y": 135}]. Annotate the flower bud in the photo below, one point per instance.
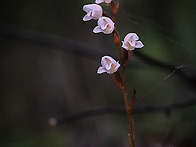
[
  {"x": 93, "y": 11},
  {"x": 105, "y": 25},
  {"x": 131, "y": 42},
  {"x": 108, "y": 65}
]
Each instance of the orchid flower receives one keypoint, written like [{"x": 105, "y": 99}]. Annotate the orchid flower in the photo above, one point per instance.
[
  {"x": 131, "y": 42},
  {"x": 100, "y": 1},
  {"x": 93, "y": 11},
  {"x": 105, "y": 25},
  {"x": 108, "y": 65}
]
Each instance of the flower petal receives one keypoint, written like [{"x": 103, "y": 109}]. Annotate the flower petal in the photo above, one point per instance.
[
  {"x": 108, "y": 1},
  {"x": 104, "y": 26},
  {"x": 97, "y": 29},
  {"x": 134, "y": 36},
  {"x": 101, "y": 70},
  {"x": 131, "y": 35},
  {"x": 108, "y": 66},
  {"x": 127, "y": 37},
  {"x": 108, "y": 59},
  {"x": 139, "y": 44},
  {"x": 99, "y": 1},
  {"x": 87, "y": 17},
  {"x": 117, "y": 65},
  {"x": 108, "y": 31},
  {"x": 90, "y": 7},
  {"x": 97, "y": 14},
  {"x": 132, "y": 43}
]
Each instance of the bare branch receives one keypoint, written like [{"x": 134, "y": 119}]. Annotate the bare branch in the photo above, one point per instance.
[
  {"x": 167, "y": 109},
  {"x": 49, "y": 40}
]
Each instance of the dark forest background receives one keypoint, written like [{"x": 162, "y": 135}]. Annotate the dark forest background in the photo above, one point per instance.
[{"x": 49, "y": 58}]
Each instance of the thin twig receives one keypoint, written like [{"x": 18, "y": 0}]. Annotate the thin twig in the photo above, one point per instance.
[{"x": 167, "y": 109}]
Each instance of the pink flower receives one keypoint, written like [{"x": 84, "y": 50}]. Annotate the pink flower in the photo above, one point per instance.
[
  {"x": 93, "y": 11},
  {"x": 105, "y": 25},
  {"x": 108, "y": 65},
  {"x": 100, "y": 1},
  {"x": 130, "y": 42}
]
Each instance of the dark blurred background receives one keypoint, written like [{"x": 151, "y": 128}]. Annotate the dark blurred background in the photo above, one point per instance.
[{"x": 49, "y": 58}]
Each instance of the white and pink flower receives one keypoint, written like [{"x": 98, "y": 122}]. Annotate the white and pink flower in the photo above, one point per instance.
[
  {"x": 93, "y": 11},
  {"x": 131, "y": 42},
  {"x": 105, "y": 25},
  {"x": 100, "y": 1},
  {"x": 108, "y": 65}
]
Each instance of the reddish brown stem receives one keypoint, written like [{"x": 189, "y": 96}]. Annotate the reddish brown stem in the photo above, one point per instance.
[
  {"x": 129, "y": 109},
  {"x": 121, "y": 82},
  {"x": 116, "y": 77},
  {"x": 116, "y": 39}
]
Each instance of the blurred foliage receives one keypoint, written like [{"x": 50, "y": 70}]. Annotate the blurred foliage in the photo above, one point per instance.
[{"x": 39, "y": 81}]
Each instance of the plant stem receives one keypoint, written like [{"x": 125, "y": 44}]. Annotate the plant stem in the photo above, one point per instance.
[
  {"x": 131, "y": 134},
  {"x": 122, "y": 82},
  {"x": 129, "y": 109}
]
